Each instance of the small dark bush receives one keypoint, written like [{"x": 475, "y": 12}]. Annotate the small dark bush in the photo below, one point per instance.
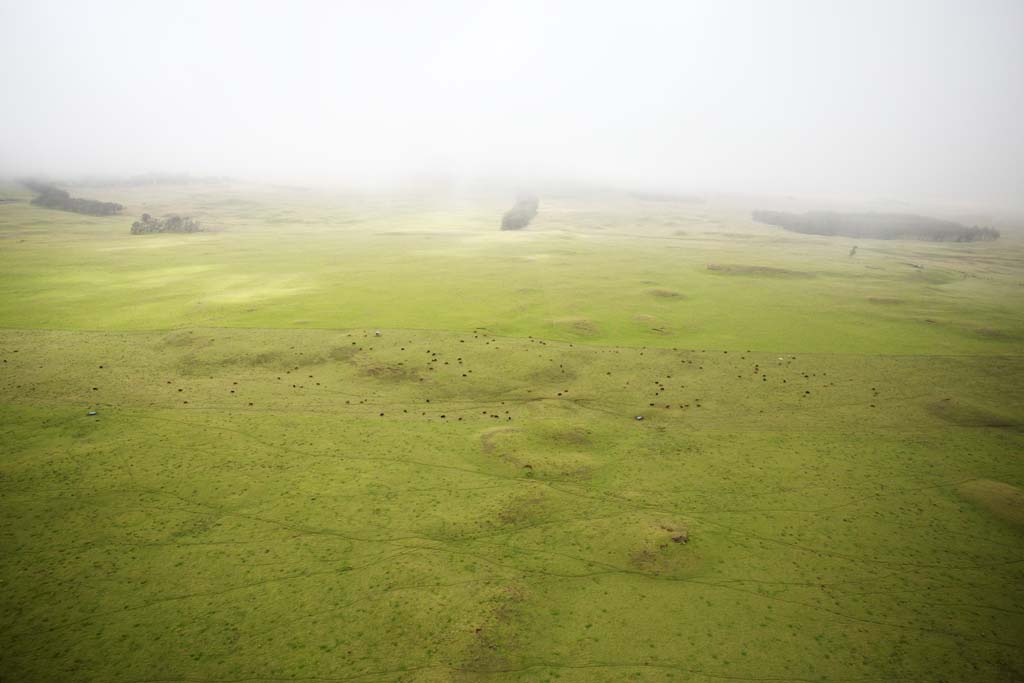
[{"x": 520, "y": 215}]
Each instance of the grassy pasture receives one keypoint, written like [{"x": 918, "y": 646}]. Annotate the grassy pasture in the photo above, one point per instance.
[{"x": 827, "y": 484}]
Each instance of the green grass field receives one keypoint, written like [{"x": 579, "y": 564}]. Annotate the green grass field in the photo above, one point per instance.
[{"x": 827, "y": 485}]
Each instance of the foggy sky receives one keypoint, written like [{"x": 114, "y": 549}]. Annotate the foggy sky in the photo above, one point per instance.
[{"x": 895, "y": 99}]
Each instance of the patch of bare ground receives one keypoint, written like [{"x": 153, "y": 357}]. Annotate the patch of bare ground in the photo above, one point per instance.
[
  {"x": 993, "y": 333},
  {"x": 964, "y": 414},
  {"x": 343, "y": 353},
  {"x": 521, "y": 510},
  {"x": 1002, "y": 500},
  {"x": 582, "y": 327},
  {"x": 663, "y": 547},
  {"x": 552, "y": 373},
  {"x": 179, "y": 338},
  {"x": 498, "y": 440},
  {"x": 206, "y": 359},
  {"x": 665, "y": 293},
  {"x": 496, "y": 634},
  {"x": 389, "y": 372},
  {"x": 569, "y": 436}
]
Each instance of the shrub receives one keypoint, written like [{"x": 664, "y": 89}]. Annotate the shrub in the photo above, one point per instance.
[
  {"x": 172, "y": 223},
  {"x": 520, "y": 215}
]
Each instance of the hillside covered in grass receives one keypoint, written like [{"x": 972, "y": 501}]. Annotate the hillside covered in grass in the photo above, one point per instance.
[{"x": 346, "y": 437}]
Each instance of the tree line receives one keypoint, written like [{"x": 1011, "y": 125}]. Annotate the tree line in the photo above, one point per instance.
[
  {"x": 881, "y": 226},
  {"x": 52, "y": 197}
]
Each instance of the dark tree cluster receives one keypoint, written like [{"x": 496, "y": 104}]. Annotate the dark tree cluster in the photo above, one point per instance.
[
  {"x": 52, "y": 197},
  {"x": 880, "y": 226},
  {"x": 520, "y": 215},
  {"x": 172, "y": 223}
]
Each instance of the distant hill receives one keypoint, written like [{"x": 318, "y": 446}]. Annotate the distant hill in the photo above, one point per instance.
[
  {"x": 879, "y": 226},
  {"x": 52, "y": 197},
  {"x": 147, "y": 179},
  {"x": 667, "y": 197}
]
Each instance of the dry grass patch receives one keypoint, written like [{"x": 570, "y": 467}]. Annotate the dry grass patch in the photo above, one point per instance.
[
  {"x": 1004, "y": 501},
  {"x": 758, "y": 271}
]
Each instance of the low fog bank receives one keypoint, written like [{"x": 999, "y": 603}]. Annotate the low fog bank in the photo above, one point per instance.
[
  {"x": 919, "y": 100},
  {"x": 100, "y": 195}
]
